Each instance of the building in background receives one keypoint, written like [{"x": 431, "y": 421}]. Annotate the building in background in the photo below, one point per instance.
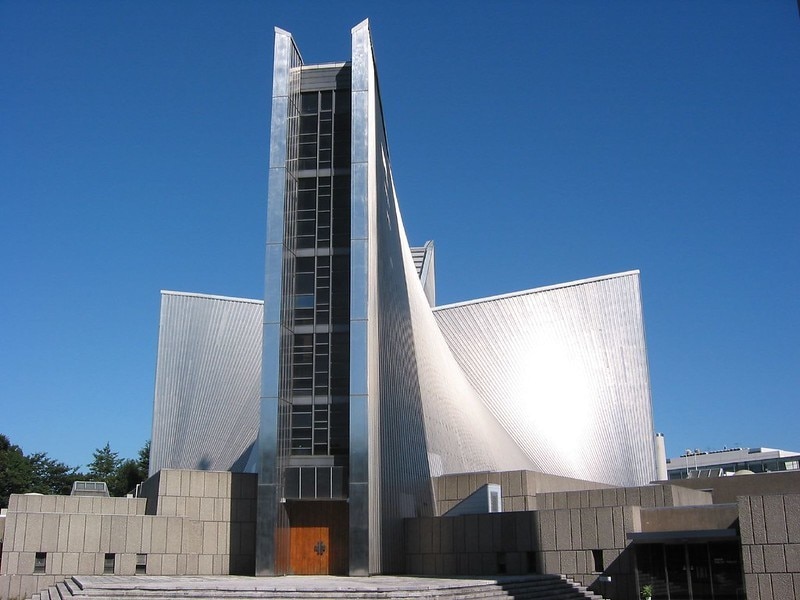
[{"x": 730, "y": 461}]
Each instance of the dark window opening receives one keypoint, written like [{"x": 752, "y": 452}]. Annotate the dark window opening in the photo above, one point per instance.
[
  {"x": 141, "y": 564},
  {"x": 40, "y": 562},
  {"x": 597, "y": 557},
  {"x": 108, "y": 563}
]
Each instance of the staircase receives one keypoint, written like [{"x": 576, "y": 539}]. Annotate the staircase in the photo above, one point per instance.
[{"x": 532, "y": 587}]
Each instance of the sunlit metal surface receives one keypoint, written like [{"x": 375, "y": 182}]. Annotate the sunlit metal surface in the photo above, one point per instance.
[
  {"x": 208, "y": 372},
  {"x": 564, "y": 370}
]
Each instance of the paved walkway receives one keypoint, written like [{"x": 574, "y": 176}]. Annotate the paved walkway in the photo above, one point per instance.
[{"x": 289, "y": 583}]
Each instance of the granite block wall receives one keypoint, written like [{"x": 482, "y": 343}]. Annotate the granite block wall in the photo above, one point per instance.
[
  {"x": 770, "y": 532},
  {"x": 187, "y": 523},
  {"x": 580, "y": 542}
]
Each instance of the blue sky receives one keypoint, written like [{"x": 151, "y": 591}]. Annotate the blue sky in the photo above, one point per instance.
[{"x": 535, "y": 142}]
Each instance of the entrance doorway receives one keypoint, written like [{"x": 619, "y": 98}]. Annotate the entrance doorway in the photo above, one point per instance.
[{"x": 318, "y": 537}]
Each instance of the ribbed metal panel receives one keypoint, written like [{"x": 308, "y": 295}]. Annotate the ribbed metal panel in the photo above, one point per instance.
[
  {"x": 208, "y": 377},
  {"x": 564, "y": 370}
]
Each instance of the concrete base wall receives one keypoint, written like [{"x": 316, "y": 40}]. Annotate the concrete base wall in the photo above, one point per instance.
[
  {"x": 770, "y": 530},
  {"x": 188, "y": 523}
]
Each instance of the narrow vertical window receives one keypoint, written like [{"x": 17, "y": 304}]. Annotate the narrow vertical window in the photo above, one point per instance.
[
  {"x": 108, "y": 563},
  {"x": 40, "y": 562},
  {"x": 141, "y": 564}
]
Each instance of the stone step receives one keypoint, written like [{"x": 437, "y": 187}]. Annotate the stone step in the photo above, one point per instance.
[{"x": 533, "y": 587}]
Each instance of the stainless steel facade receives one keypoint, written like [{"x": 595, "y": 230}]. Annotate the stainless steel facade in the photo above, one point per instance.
[
  {"x": 205, "y": 413},
  {"x": 553, "y": 379}
]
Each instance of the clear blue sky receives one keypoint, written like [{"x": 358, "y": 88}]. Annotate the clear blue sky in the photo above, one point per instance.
[{"x": 535, "y": 142}]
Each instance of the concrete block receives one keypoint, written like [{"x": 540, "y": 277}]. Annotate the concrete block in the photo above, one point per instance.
[
  {"x": 169, "y": 564},
  {"x": 782, "y": 587},
  {"x": 209, "y": 540},
  {"x": 462, "y": 564},
  {"x": 605, "y": 527},
  {"x": 85, "y": 505},
  {"x": 118, "y": 532},
  {"x": 745, "y": 520},
  {"x": 71, "y": 504},
  {"x": 774, "y": 558},
  {"x": 445, "y": 535},
  {"x": 185, "y": 483},
  {"x": 158, "y": 535},
  {"x": 223, "y": 538},
  {"x": 49, "y": 536},
  {"x": 174, "y": 534},
  {"x": 87, "y": 563},
  {"x": 449, "y": 565},
  {"x": 647, "y": 496},
  {"x": 225, "y": 507},
  {"x": 459, "y": 536},
  {"x": 560, "y": 500},
  {"x": 573, "y": 499},
  {"x": 10, "y": 563},
  {"x": 563, "y": 530},
  {"x": 521, "y": 522},
  {"x": 463, "y": 488},
  {"x": 105, "y": 532},
  {"x": 757, "y": 559},
  {"x": 126, "y": 563},
  {"x": 609, "y": 497},
  {"x": 147, "y": 534},
  {"x": 207, "y": 509},
  {"x": 196, "y": 483},
  {"x": 547, "y": 529},
  {"x": 171, "y": 482},
  {"x": 168, "y": 506},
  {"x": 471, "y": 535},
  {"x": 759, "y": 522},
  {"x": 48, "y": 504},
  {"x": 751, "y": 587},
  {"x": 181, "y": 564},
  {"x": 193, "y": 508},
  {"x": 91, "y": 537},
  {"x": 575, "y": 526},
  {"x": 551, "y": 562},
  {"x": 192, "y": 564},
  {"x": 33, "y": 531},
  {"x": 588, "y": 528},
  {"x": 154, "y": 564},
  {"x": 619, "y": 527},
  {"x": 193, "y": 536},
  {"x": 775, "y": 520},
  {"x": 485, "y": 542},
  {"x": 210, "y": 484},
  {"x": 792, "y": 505},
  {"x": 569, "y": 562},
  {"x": 747, "y": 561},
  {"x": 548, "y": 501},
  {"x": 595, "y": 498},
  {"x": 56, "y": 562},
  {"x": 77, "y": 527},
  {"x": 18, "y": 544},
  {"x": 34, "y": 504},
  {"x": 765, "y": 587},
  {"x": 792, "y": 553},
  {"x": 133, "y": 535},
  {"x": 69, "y": 563},
  {"x": 450, "y": 488},
  {"x": 796, "y": 581},
  {"x": 488, "y": 563}
]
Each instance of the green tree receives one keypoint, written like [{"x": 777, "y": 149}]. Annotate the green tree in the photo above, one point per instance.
[
  {"x": 143, "y": 461},
  {"x": 51, "y": 476},
  {"x": 105, "y": 465},
  {"x": 16, "y": 472}
]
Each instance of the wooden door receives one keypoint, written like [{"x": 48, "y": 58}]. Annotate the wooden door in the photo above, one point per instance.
[{"x": 318, "y": 537}]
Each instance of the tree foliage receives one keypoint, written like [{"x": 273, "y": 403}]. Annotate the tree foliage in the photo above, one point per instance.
[{"x": 21, "y": 473}]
